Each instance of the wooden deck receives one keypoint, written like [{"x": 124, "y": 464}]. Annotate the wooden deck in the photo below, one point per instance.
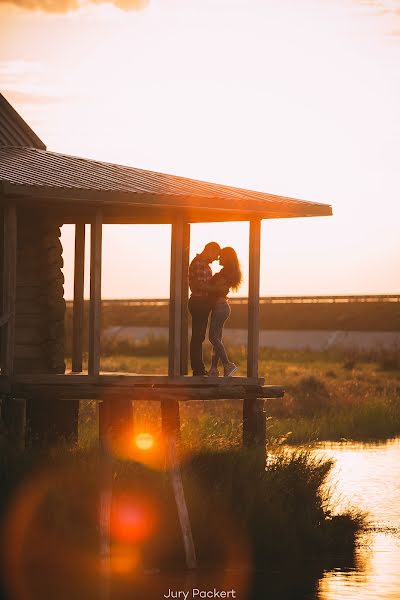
[{"x": 130, "y": 386}]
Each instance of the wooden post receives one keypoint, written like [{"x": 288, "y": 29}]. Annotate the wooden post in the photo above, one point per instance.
[
  {"x": 78, "y": 307},
  {"x": 95, "y": 294},
  {"x": 185, "y": 296},
  {"x": 255, "y": 428},
  {"x": 254, "y": 423},
  {"x": 254, "y": 298},
  {"x": 175, "y": 302},
  {"x": 9, "y": 288},
  {"x": 170, "y": 419}
]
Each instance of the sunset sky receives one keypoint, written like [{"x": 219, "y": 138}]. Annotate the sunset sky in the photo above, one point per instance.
[{"x": 291, "y": 97}]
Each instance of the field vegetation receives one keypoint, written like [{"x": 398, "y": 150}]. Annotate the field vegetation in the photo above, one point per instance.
[{"x": 330, "y": 395}]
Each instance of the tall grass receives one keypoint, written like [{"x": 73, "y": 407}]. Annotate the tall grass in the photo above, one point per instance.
[
  {"x": 237, "y": 510},
  {"x": 329, "y": 395}
]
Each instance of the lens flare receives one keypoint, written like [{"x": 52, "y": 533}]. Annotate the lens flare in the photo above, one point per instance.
[
  {"x": 133, "y": 519},
  {"x": 144, "y": 441}
]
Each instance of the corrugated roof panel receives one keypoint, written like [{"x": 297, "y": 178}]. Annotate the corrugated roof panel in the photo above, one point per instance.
[
  {"x": 52, "y": 171},
  {"x": 13, "y": 129}
]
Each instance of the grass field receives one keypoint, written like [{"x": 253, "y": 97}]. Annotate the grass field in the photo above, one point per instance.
[{"x": 329, "y": 396}]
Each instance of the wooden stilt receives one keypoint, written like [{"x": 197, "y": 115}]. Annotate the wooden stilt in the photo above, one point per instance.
[
  {"x": 105, "y": 502},
  {"x": 183, "y": 514},
  {"x": 254, "y": 423},
  {"x": 170, "y": 419},
  {"x": 255, "y": 429},
  {"x": 95, "y": 294},
  {"x": 78, "y": 306}
]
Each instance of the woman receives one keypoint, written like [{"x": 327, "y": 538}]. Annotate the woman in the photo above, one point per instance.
[{"x": 229, "y": 278}]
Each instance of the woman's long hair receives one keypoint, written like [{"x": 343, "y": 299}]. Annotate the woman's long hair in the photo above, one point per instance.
[{"x": 232, "y": 270}]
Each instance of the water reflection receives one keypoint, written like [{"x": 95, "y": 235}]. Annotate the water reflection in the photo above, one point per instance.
[{"x": 366, "y": 475}]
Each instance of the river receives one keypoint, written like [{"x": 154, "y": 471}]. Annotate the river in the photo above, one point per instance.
[
  {"x": 367, "y": 476},
  {"x": 364, "y": 476}
]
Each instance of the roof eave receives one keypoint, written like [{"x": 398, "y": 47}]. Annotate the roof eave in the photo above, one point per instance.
[{"x": 258, "y": 209}]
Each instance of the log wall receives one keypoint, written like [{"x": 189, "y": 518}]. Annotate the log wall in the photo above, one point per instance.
[
  {"x": 1, "y": 267},
  {"x": 40, "y": 310}
]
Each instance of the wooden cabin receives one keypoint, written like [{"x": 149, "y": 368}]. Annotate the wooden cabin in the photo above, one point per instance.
[{"x": 40, "y": 191}]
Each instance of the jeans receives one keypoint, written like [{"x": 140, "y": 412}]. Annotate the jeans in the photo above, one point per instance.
[
  {"x": 219, "y": 314},
  {"x": 199, "y": 308}
]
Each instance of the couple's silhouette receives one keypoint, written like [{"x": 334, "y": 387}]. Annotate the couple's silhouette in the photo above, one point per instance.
[{"x": 209, "y": 297}]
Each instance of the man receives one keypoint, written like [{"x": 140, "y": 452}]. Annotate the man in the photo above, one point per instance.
[{"x": 199, "y": 303}]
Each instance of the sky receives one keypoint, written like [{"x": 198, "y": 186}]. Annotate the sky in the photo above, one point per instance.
[{"x": 290, "y": 97}]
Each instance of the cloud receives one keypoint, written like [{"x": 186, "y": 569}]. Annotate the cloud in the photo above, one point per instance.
[
  {"x": 388, "y": 10},
  {"x": 382, "y": 7},
  {"x": 28, "y": 83},
  {"x": 63, "y": 6},
  {"x": 15, "y": 97}
]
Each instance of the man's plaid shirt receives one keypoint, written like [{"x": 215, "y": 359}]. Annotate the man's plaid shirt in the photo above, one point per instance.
[{"x": 199, "y": 271}]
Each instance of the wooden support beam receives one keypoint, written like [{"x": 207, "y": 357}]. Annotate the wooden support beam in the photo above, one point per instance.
[
  {"x": 95, "y": 293},
  {"x": 133, "y": 380},
  {"x": 123, "y": 395},
  {"x": 175, "y": 306},
  {"x": 182, "y": 509},
  {"x": 9, "y": 288},
  {"x": 254, "y": 298},
  {"x": 170, "y": 418},
  {"x": 185, "y": 297},
  {"x": 77, "y": 317}
]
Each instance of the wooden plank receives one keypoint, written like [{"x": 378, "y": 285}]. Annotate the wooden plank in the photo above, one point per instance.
[
  {"x": 175, "y": 306},
  {"x": 95, "y": 294},
  {"x": 185, "y": 297},
  {"x": 116, "y": 393},
  {"x": 9, "y": 288},
  {"x": 132, "y": 380},
  {"x": 78, "y": 306},
  {"x": 272, "y": 391},
  {"x": 254, "y": 298},
  {"x": 119, "y": 393}
]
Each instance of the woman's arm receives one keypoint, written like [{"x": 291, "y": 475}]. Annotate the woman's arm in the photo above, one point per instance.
[{"x": 219, "y": 285}]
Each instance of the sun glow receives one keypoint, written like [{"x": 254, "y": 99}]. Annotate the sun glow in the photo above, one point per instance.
[
  {"x": 144, "y": 441},
  {"x": 296, "y": 99}
]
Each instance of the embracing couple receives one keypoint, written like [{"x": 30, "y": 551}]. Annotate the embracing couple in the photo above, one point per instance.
[{"x": 209, "y": 297}]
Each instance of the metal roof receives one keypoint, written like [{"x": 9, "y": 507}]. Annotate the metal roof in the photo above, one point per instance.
[
  {"x": 37, "y": 174},
  {"x": 13, "y": 129}
]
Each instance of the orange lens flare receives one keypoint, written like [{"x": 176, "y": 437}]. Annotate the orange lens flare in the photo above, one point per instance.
[
  {"x": 144, "y": 441},
  {"x": 125, "y": 559},
  {"x": 132, "y": 519}
]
